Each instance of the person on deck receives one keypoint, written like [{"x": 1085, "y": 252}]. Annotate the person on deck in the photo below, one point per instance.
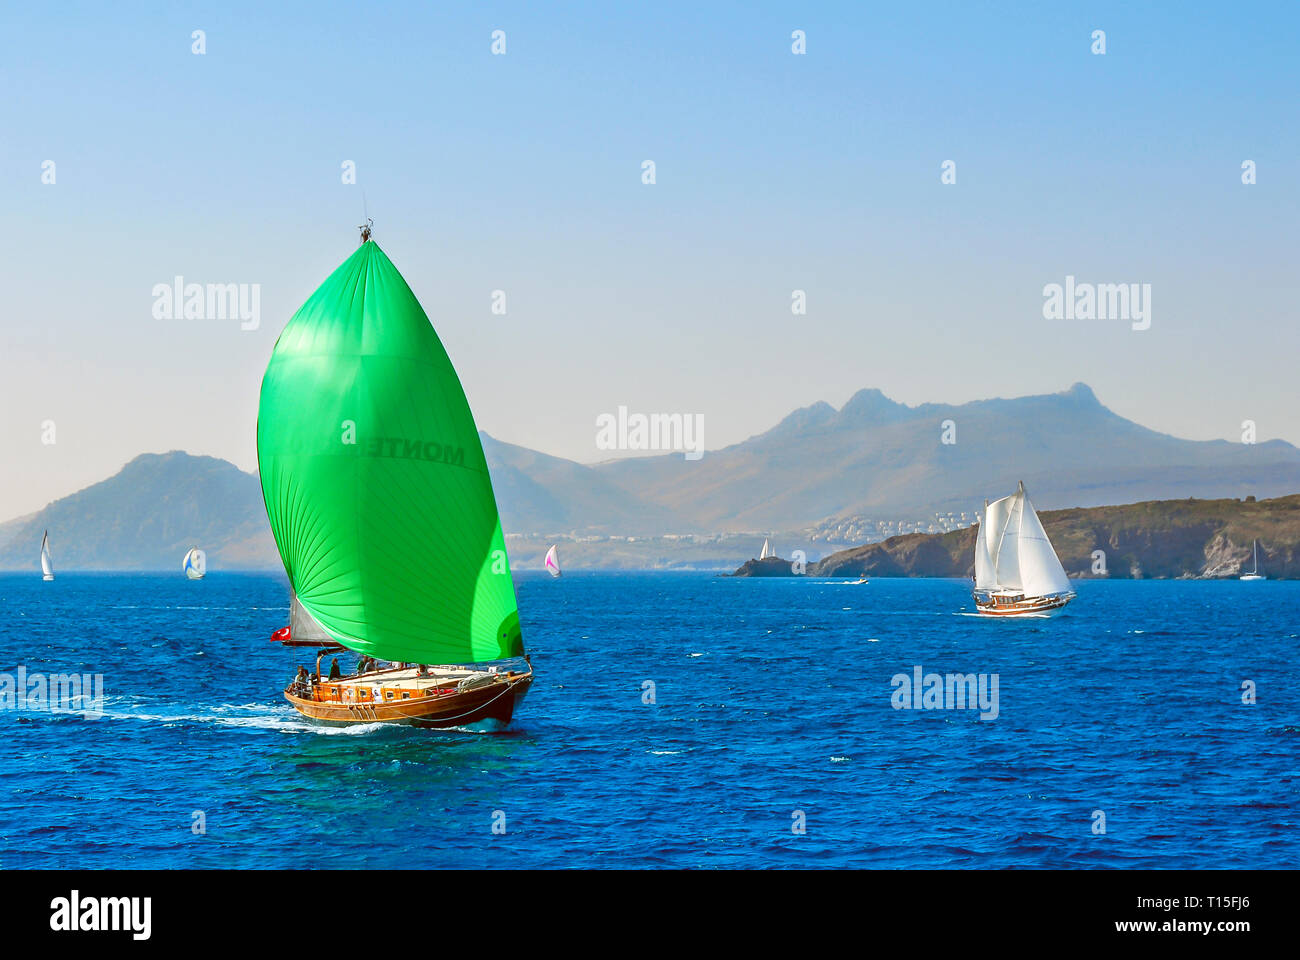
[{"x": 335, "y": 672}]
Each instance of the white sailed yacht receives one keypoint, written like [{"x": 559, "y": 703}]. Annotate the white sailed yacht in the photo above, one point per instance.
[
  {"x": 1017, "y": 573},
  {"x": 552, "y": 561},
  {"x": 195, "y": 564},
  {"x": 767, "y": 550},
  {"x": 47, "y": 564},
  {"x": 1254, "y": 570}
]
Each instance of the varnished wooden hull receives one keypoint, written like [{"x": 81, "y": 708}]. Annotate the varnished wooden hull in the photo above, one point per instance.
[
  {"x": 1026, "y": 607},
  {"x": 496, "y": 701}
]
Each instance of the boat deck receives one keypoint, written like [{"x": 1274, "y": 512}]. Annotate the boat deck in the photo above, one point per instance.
[
  {"x": 409, "y": 678},
  {"x": 399, "y": 684}
]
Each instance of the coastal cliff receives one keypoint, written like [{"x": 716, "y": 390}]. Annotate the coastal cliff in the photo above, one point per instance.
[{"x": 1157, "y": 539}]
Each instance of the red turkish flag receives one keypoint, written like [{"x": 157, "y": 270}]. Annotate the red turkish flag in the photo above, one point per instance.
[{"x": 280, "y": 635}]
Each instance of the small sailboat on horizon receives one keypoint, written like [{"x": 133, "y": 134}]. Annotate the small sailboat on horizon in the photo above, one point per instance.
[
  {"x": 767, "y": 550},
  {"x": 47, "y": 562},
  {"x": 552, "y": 561},
  {"x": 1017, "y": 573},
  {"x": 195, "y": 564},
  {"x": 1254, "y": 569}
]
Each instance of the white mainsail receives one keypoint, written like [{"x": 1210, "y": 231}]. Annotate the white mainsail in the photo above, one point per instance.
[
  {"x": 1004, "y": 541},
  {"x": 1012, "y": 551},
  {"x": 1041, "y": 573},
  {"x": 47, "y": 563},
  {"x": 552, "y": 561},
  {"x": 767, "y": 550},
  {"x": 195, "y": 564}
]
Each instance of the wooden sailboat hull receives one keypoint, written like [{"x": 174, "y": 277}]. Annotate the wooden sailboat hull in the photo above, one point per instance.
[
  {"x": 1024, "y": 607},
  {"x": 494, "y": 701}
]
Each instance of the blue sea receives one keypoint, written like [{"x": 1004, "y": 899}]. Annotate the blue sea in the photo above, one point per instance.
[{"x": 773, "y": 713}]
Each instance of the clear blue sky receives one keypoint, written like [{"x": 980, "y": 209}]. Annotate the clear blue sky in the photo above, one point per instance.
[{"x": 523, "y": 173}]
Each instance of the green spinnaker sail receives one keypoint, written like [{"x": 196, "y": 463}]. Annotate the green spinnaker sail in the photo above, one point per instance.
[{"x": 375, "y": 481}]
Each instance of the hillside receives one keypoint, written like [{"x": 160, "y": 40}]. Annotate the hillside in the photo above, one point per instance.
[
  {"x": 146, "y": 516},
  {"x": 1155, "y": 539},
  {"x": 539, "y": 494}
]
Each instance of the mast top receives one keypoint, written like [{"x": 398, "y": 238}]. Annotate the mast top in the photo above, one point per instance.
[{"x": 365, "y": 229}]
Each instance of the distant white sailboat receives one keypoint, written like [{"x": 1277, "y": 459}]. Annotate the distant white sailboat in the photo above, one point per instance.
[
  {"x": 47, "y": 564},
  {"x": 195, "y": 564},
  {"x": 552, "y": 561},
  {"x": 767, "y": 550},
  {"x": 1017, "y": 573},
  {"x": 1254, "y": 570}
]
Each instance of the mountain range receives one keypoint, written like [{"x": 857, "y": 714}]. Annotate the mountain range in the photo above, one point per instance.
[
  {"x": 871, "y": 458},
  {"x": 880, "y": 458}
]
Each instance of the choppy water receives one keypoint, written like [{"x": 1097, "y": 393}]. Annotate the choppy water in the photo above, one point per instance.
[{"x": 773, "y": 696}]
